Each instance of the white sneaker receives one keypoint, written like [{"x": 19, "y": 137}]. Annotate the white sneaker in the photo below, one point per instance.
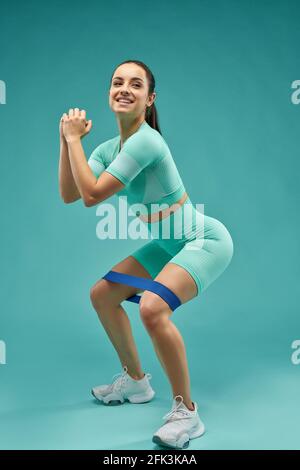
[
  {"x": 125, "y": 388},
  {"x": 181, "y": 425}
]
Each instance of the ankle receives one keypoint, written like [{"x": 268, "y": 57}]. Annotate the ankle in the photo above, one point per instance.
[
  {"x": 190, "y": 406},
  {"x": 136, "y": 376}
]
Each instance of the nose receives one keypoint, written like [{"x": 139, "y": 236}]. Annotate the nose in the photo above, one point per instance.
[{"x": 123, "y": 89}]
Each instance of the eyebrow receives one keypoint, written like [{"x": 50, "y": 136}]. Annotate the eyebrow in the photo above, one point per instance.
[{"x": 134, "y": 78}]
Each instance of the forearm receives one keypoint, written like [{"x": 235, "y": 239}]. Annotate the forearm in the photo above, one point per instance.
[
  {"x": 83, "y": 176},
  {"x": 67, "y": 185}
]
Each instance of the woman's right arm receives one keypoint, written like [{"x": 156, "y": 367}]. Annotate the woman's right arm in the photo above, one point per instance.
[{"x": 67, "y": 186}]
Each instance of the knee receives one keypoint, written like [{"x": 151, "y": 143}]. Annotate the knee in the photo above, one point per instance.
[
  {"x": 99, "y": 293},
  {"x": 152, "y": 311}
]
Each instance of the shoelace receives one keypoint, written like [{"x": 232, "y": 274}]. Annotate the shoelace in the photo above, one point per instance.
[
  {"x": 177, "y": 412},
  {"x": 121, "y": 379}
]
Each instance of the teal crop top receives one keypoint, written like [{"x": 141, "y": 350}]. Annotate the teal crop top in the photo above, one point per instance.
[{"x": 145, "y": 165}]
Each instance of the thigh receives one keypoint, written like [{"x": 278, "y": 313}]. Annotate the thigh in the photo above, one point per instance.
[
  {"x": 194, "y": 264},
  {"x": 193, "y": 269},
  {"x": 147, "y": 261},
  {"x": 114, "y": 292},
  {"x": 206, "y": 259},
  {"x": 152, "y": 257}
]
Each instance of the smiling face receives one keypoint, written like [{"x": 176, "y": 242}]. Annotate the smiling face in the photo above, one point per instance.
[{"x": 130, "y": 83}]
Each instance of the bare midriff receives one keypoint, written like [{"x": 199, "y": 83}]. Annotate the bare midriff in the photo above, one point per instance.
[{"x": 157, "y": 216}]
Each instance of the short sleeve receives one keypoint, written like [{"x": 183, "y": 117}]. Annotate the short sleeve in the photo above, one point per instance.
[
  {"x": 96, "y": 161},
  {"x": 138, "y": 152}
]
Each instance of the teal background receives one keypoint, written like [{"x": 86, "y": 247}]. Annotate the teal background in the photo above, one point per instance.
[{"x": 224, "y": 71}]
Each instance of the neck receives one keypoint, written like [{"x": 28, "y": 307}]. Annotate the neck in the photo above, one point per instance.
[{"x": 126, "y": 129}]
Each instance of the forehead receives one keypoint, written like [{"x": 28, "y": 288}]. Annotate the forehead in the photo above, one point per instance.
[{"x": 130, "y": 71}]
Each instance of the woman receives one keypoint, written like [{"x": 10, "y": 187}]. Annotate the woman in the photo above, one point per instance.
[{"x": 138, "y": 163}]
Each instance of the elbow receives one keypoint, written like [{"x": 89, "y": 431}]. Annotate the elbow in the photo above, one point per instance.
[
  {"x": 67, "y": 199},
  {"x": 89, "y": 201}
]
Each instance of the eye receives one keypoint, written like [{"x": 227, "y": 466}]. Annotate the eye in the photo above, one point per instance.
[{"x": 136, "y": 84}]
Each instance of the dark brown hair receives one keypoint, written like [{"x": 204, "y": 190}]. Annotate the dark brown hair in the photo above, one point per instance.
[{"x": 151, "y": 116}]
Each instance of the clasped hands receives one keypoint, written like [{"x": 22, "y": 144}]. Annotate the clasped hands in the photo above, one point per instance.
[{"x": 73, "y": 126}]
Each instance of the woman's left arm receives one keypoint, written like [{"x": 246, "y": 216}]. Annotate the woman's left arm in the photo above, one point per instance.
[{"x": 92, "y": 190}]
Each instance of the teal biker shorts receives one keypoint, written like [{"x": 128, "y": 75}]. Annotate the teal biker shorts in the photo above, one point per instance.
[{"x": 200, "y": 244}]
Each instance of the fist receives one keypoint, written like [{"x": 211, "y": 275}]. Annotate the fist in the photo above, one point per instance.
[{"x": 74, "y": 125}]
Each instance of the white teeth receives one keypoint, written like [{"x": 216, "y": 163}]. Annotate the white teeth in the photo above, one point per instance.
[{"x": 124, "y": 101}]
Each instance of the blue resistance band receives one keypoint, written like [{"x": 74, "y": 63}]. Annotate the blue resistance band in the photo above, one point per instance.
[{"x": 146, "y": 284}]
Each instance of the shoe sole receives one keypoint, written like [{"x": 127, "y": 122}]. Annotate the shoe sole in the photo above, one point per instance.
[
  {"x": 119, "y": 402},
  {"x": 183, "y": 443},
  {"x": 157, "y": 440}
]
